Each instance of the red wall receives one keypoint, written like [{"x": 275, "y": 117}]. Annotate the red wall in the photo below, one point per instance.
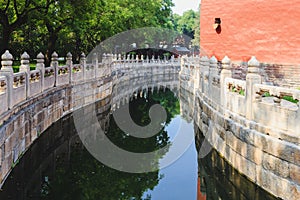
[{"x": 268, "y": 29}]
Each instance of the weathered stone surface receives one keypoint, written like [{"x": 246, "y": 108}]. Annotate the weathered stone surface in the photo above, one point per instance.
[
  {"x": 294, "y": 172},
  {"x": 256, "y": 139}
]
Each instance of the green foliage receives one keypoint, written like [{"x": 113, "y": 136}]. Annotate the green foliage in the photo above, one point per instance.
[
  {"x": 16, "y": 68},
  {"x": 287, "y": 98},
  {"x": 238, "y": 90},
  {"x": 15, "y": 14},
  {"x": 290, "y": 99},
  {"x": 196, "y": 28},
  {"x": 266, "y": 94},
  {"x": 188, "y": 24},
  {"x": 76, "y": 26},
  {"x": 242, "y": 92}
]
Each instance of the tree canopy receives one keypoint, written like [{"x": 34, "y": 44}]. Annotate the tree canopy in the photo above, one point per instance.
[{"x": 78, "y": 26}]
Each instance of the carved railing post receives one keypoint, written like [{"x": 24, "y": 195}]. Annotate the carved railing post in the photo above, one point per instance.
[
  {"x": 69, "y": 63},
  {"x": 104, "y": 61},
  {"x": 26, "y": 68},
  {"x": 252, "y": 78},
  {"x": 119, "y": 57},
  {"x": 83, "y": 65},
  {"x": 54, "y": 64},
  {"x": 172, "y": 59},
  {"x": 213, "y": 72},
  {"x": 109, "y": 62},
  {"x": 225, "y": 73},
  {"x": 7, "y": 71},
  {"x": 95, "y": 63},
  {"x": 40, "y": 65},
  {"x": 196, "y": 75},
  {"x": 204, "y": 70},
  {"x": 114, "y": 57}
]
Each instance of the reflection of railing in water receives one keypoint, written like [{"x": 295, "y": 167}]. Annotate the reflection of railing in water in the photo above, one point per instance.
[{"x": 125, "y": 87}]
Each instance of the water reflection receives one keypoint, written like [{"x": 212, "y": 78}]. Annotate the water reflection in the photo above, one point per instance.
[
  {"x": 218, "y": 180},
  {"x": 58, "y": 166}
]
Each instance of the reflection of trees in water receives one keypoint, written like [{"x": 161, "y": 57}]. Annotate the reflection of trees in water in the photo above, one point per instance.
[
  {"x": 139, "y": 111},
  {"x": 89, "y": 179},
  {"x": 58, "y": 166}
]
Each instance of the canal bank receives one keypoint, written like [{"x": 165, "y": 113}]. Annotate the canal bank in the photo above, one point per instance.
[
  {"x": 255, "y": 132},
  {"x": 58, "y": 166}
]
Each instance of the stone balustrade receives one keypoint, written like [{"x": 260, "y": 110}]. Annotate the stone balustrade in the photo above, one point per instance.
[
  {"x": 17, "y": 87},
  {"x": 3, "y": 94},
  {"x": 32, "y": 100},
  {"x": 253, "y": 125}
]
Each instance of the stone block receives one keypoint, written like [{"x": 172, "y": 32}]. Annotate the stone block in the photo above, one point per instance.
[
  {"x": 294, "y": 172},
  {"x": 247, "y": 136},
  {"x": 294, "y": 192},
  {"x": 6, "y": 165},
  {"x": 275, "y": 165},
  {"x": 9, "y": 129},
  {"x": 34, "y": 134},
  {"x": 1, "y": 154},
  {"x": 296, "y": 155},
  {"x": 27, "y": 140},
  {"x": 254, "y": 154}
]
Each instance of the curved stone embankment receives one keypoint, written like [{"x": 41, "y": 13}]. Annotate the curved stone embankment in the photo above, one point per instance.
[
  {"x": 257, "y": 137},
  {"x": 29, "y": 119},
  {"x": 31, "y": 101}
]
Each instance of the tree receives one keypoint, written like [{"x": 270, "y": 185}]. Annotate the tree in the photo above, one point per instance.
[
  {"x": 75, "y": 26},
  {"x": 196, "y": 28},
  {"x": 186, "y": 23},
  {"x": 15, "y": 13}
]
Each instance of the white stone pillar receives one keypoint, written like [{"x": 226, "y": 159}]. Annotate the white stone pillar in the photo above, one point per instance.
[
  {"x": 225, "y": 73},
  {"x": 213, "y": 72},
  {"x": 7, "y": 71},
  {"x": 204, "y": 69},
  {"x": 95, "y": 63},
  {"x": 83, "y": 65},
  {"x": 54, "y": 64},
  {"x": 40, "y": 65},
  {"x": 69, "y": 63},
  {"x": 26, "y": 68},
  {"x": 252, "y": 78}
]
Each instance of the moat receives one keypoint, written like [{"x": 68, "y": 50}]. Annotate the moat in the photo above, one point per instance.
[{"x": 58, "y": 166}]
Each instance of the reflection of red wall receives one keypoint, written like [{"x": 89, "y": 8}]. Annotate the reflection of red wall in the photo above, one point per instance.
[
  {"x": 200, "y": 196},
  {"x": 268, "y": 29}
]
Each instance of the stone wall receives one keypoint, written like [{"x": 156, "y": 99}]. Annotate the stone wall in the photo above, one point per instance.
[
  {"x": 31, "y": 101},
  {"x": 272, "y": 74},
  {"x": 257, "y": 134}
]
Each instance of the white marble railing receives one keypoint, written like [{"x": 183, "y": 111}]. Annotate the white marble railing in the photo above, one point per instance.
[
  {"x": 213, "y": 79},
  {"x": 254, "y": 126},
  {"x": 18, "y": 87}
]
